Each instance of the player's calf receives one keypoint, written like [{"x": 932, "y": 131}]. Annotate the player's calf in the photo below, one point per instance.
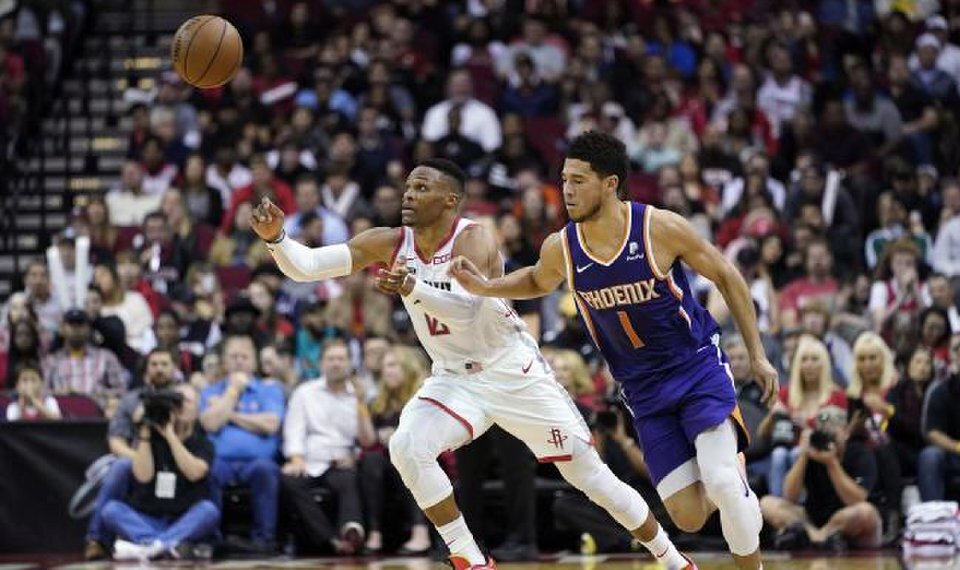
[{"x": 594, "y": 478}]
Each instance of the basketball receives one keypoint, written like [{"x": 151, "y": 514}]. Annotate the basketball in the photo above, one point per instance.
[{"x": 206, "y": 51}]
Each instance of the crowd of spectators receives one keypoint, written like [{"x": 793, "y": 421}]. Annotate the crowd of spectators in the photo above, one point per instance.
[{"x": 815, "y": 142}]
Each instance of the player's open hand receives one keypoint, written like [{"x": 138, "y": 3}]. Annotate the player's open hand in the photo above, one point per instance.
[
  {"x": 267, "y": 220},
  {"x": 397, "y": 279},
  {"x": 766, "y": 376},
  {"x": 467, "y": 274}
]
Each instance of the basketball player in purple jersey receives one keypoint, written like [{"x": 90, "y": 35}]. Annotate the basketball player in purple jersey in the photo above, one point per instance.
[{"x": 622, "y": 261}]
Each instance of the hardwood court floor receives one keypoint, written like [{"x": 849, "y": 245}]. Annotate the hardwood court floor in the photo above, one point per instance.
[{"x": 705, "y": 561}]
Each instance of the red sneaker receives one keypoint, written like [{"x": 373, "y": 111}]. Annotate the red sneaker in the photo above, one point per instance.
[
  {"x": 461, "y": 563},
  {"x": 690, "y": 564}
]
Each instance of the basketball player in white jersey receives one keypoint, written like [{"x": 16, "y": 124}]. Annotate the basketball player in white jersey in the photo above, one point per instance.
[{"x": 487, "y": 368}]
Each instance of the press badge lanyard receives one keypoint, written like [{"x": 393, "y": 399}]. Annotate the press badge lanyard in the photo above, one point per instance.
[{"x": 166, "y": 486}]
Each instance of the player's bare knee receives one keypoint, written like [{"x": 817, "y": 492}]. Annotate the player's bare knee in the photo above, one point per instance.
[{"x": 689, "y": 516}]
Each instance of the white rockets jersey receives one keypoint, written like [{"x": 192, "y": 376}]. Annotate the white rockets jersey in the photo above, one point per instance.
[{"x": 492, "y": 331}]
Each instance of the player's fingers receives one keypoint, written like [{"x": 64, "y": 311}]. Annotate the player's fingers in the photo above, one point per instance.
[{"x": 273, "y": 209}]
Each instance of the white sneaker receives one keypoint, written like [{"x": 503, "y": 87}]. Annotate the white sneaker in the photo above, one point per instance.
[{"x": 125, "y": 550}]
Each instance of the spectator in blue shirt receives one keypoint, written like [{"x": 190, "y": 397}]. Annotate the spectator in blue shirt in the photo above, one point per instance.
[{"x": 242, "y": 415}]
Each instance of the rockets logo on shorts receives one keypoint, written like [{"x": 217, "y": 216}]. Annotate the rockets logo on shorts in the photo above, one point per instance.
[{"x": 557, "y": 438}]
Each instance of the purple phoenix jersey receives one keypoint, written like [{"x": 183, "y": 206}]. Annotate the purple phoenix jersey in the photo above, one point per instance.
[{"x": 661, "y": 345}]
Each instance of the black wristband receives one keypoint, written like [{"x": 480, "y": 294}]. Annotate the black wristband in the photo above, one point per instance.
[{"x": 283, "y": 234}]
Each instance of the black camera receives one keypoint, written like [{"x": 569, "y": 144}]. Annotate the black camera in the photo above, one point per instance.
[
  {"x": 821, "y": 440},
  {"x": 158, "y": 405},
  {"x": 606, "y": 421}
]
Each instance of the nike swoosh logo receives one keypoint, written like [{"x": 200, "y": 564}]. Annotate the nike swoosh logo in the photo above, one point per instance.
[
  {"x": 527, "y": 367},
  {"x": 584, "y": 268}
]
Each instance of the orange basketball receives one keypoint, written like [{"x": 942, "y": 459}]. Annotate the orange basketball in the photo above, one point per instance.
[{"x": 206, "y": 51}]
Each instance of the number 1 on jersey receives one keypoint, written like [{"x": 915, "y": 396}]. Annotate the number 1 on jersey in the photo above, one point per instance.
[{"x": 629, "y": 330}]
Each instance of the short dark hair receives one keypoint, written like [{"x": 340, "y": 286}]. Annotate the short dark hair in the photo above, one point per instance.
[
  {"x": 448, "y": 168},
  {"x": 334, "y": 342},
  {"x": 606, "y": 154},
  {"x": 159, "y": 350}
]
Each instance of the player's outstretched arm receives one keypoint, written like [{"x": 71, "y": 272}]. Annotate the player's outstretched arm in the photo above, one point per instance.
[
  {"x": 302, "y": 263},
  {"x": 527, "y": 283},
  {"x": 676, "y": 238}
]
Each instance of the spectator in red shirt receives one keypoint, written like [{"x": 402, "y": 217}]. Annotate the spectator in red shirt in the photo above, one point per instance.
[
  {"x": 264, "y": 184},
  {"x": 818, "y": 282}
]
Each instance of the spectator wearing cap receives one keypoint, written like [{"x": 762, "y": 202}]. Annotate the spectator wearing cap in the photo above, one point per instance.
[
  {"x": 130, "y": 202},
  {"x": 480, "y": 122},
  {"x": 307, "y": 195},
  {"x": 242, "y": 415},
  {"x": 241, "y": 319},
  {"x": 892, "y": 213},
  {"x": 82, "y": 368},
  {"x": 935, "y": 82},
  {"x": 264, "y": 185},
  {"x": 948, "y": 59},
  {"x": 311, "y": 334}
]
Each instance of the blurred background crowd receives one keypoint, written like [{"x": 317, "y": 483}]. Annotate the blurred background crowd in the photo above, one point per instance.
[{"x": 815, "y": 142}]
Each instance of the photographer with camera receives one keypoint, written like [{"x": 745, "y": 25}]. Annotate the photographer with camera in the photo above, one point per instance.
[
  {"x": 838, "y": 471},
  {"x": 159, "y": 373},
  {"x": 168, "y": 506}
]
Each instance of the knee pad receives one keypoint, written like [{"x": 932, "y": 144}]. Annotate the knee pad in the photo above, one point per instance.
[
  {"x": 589, "y": 474},
  {"x": 416, "y": 463}
]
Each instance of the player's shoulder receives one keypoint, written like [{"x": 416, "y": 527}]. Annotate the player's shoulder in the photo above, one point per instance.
[{"x": 378, "y": 236}]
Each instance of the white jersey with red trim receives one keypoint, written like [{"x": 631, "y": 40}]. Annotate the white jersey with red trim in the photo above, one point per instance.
[{"x": 458, "y": 345}]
